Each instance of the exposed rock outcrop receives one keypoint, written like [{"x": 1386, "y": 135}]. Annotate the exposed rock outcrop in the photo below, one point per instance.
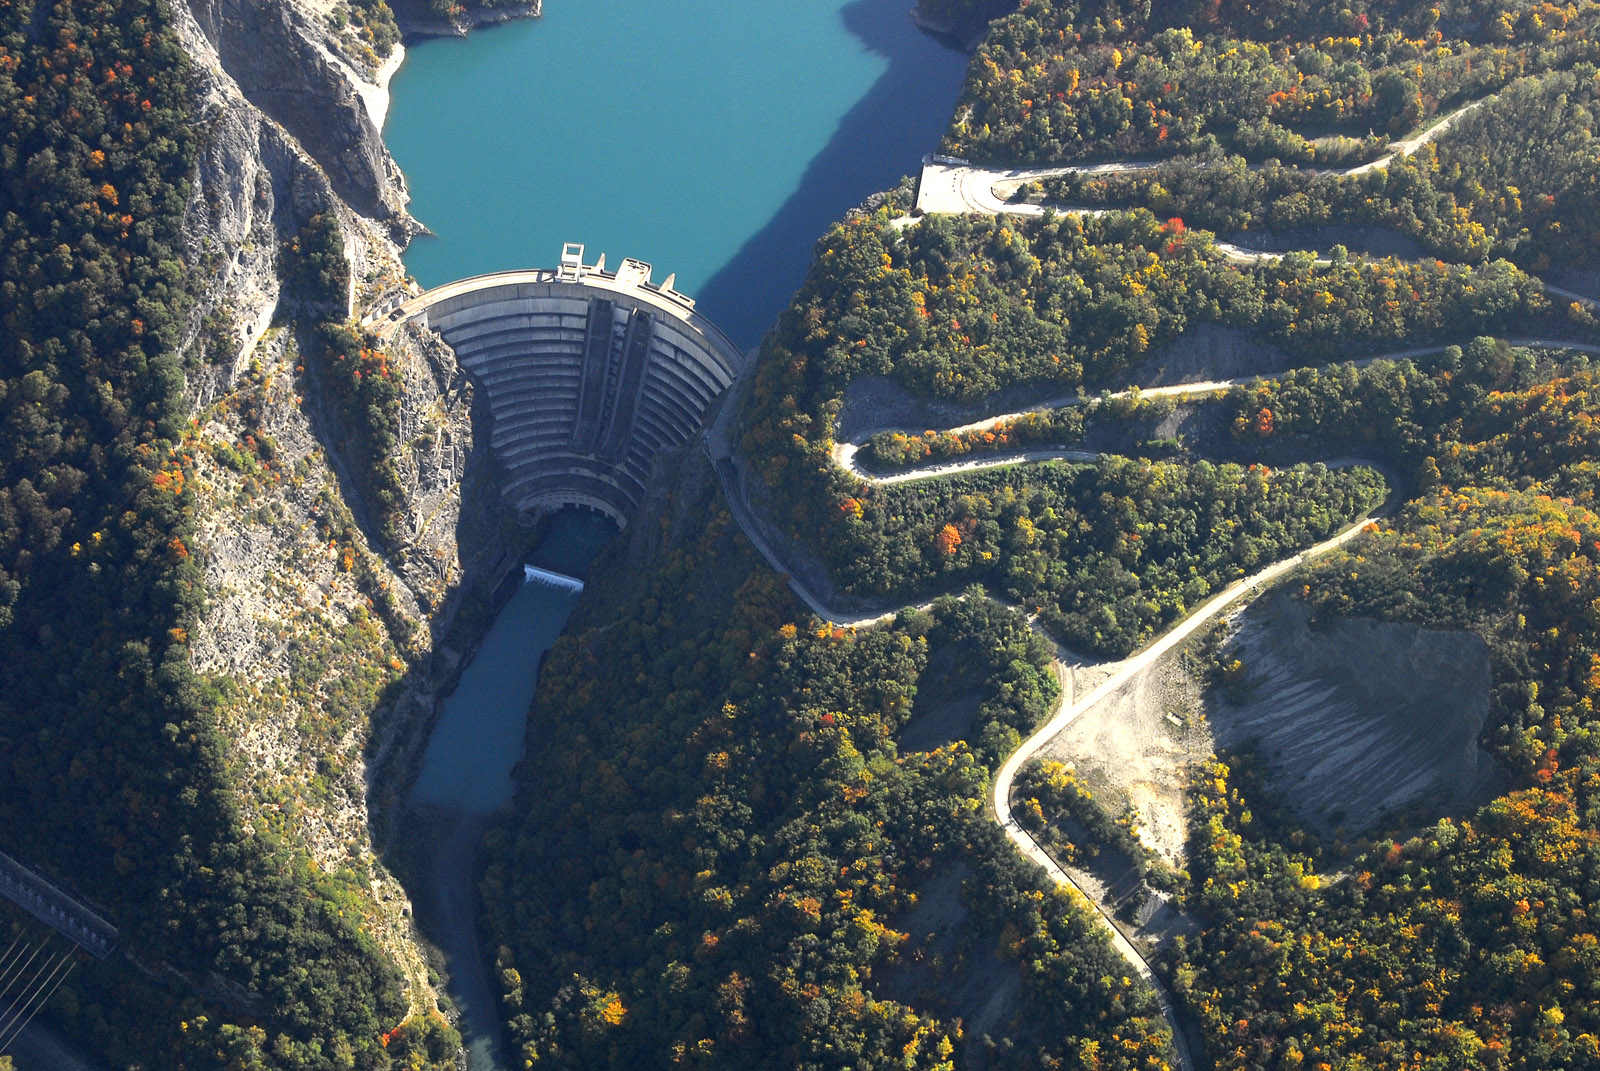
[
  {"x": 418, "y": 18},
  {"x": 282, "y": 59},
  {"x": 322, "y": 643}
]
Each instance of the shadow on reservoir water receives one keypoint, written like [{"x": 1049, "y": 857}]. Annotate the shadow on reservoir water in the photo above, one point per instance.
[
  {"x": 716, "y": 139},
  {"x": 465, "y": 774},
  {"x": 881, "y": 139}
]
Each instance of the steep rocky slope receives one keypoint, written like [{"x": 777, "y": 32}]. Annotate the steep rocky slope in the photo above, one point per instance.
[{"x": 320, "y": 640}]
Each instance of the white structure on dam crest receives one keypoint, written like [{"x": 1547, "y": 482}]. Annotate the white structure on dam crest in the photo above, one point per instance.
[{"x": 588, "y": 374}]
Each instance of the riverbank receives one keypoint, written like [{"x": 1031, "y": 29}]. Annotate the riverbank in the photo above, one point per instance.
[
  {"x": 481, "y": 132},
  {"x": 459, "y": 777},
  {"x": 418, "y": 20}
]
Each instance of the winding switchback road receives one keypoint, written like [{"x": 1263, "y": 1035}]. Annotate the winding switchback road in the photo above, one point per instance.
[
  {"x": 718, "y": 441},
  {"x": 845, "y": 453},
  {"x": 955, "y": 186},
  {"x": 1069, "y": 709},
  {"x": 949, "y": 184}
]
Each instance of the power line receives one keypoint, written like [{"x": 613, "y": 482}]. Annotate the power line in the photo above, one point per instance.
[
  {"x": 44, "y": 987},
  {"x": 23, "y": 973},
  {"x": 8, "y": 961},
  {"x": 15, "y": 941},
  {"x": 25, "y": 995}
]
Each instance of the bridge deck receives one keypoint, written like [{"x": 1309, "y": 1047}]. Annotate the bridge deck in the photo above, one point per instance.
[{"x": 55, "y": 908}]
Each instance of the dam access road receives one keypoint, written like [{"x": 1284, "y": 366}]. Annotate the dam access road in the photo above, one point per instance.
[
  {"x": 1069, "y": 707},
  {"x": 953, "y": 185},
  {"x": 569, "y": 389}
]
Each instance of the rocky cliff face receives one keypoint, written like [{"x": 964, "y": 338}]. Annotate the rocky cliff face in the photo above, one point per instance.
[
  {"x": 285, "y": 60},
  {"x": 321, "y": 642}
]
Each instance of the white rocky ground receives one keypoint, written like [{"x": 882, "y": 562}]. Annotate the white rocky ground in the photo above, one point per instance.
[
  {"x": 311, "y": 634},
  {"x": 1130, "y": 751}
]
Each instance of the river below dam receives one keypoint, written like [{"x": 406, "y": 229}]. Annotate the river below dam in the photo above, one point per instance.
[
  {"x": 465, "y": 774},
  {"x": 715, "y": 139}
]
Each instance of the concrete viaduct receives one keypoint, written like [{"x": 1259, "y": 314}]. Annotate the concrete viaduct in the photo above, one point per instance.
[{"x": 588, "y": 374}]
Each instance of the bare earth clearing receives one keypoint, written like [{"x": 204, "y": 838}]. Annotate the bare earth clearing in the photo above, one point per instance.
[
  {"x": 940, "y": 965},
  {"x": 1130, "y": 753},
  {"x": 1359, "y": 720}
]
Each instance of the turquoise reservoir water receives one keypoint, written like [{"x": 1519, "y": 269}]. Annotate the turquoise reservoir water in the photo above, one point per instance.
[{"x": 713, "y": 138}]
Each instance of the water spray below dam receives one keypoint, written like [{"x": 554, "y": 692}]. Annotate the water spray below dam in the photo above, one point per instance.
[{"x": 534, "y": 575}]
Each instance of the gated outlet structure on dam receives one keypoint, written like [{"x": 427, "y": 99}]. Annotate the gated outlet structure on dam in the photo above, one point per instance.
[{"x": 589, "y": 375}]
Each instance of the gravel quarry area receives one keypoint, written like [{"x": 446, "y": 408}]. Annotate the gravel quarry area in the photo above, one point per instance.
[
  {"x": 1359, "y": 720},
  {"x": 1137, "y": 746}
]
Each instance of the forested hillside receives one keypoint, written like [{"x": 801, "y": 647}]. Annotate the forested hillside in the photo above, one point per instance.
[
  {"x": 1515, "y": 178},
  {"x": 960, "y": 308},
  {"x": 115, "y": 780},
  {"x": 704, "y": 780},
  {"x": 748, "y": 837},
  {"x": 718, "y": 841},
  {"x": 1473, "y": 941},
  {"x": 1303, "y": 82}
]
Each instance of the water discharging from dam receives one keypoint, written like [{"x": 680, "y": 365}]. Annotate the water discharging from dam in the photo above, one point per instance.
[{"x": 532, "y": 574}]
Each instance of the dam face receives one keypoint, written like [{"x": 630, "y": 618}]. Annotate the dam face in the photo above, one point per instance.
[{"x": 588, "y": 375}]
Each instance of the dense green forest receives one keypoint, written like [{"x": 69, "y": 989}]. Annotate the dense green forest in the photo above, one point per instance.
[
  {"x": 720, "y": 854},
  {"x": 960, "y": 307},
  {"x": 1302, "y": 82},
  {"x": 115, "y": 777},
  {"x": 1468, "y": 945},
  {"x": 1515, "y": 178},
  {"x": 1471, "y": 942},
  {"x": 717, "y": 840},
  {"x": 1108, "y": 553}
]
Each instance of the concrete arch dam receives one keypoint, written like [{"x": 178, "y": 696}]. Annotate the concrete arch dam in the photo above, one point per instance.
[{"x": 588, "y": 375}]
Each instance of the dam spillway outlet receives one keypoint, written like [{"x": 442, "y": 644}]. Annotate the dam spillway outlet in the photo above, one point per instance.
[
  {"x": 532, "y": 574},
  {"x": 588, "y": 375}
]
